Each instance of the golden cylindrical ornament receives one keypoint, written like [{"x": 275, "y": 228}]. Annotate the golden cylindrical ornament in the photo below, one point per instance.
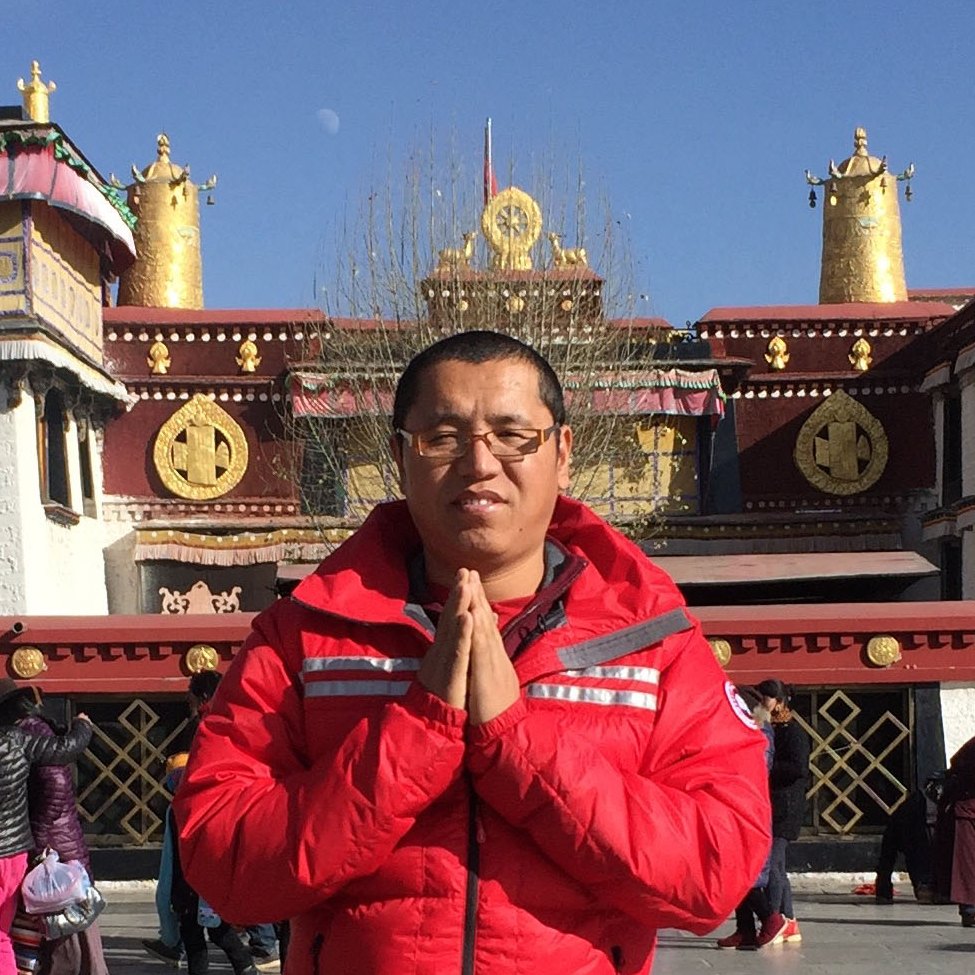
[{"x": 168, "y": 271}]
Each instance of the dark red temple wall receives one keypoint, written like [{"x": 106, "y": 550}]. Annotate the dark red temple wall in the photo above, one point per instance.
[
  {"x": 129, "y": 441},
  {"x": 193, "y": 359},
  {"x": 824, "y": 355},
  {"x": 768, "y": 428}
]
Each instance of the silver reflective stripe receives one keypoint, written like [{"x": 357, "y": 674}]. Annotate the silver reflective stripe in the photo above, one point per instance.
[
  {"x": 387, "y": 664},
  {"x": 631, "y": 638},
  {"x": 648, "y": 675},
  {"x": 592, "y": 695},
  {"x": 357, "y": 688}
]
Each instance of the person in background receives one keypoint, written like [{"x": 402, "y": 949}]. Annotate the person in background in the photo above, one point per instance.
[
  {"x": 197, "y": 921},
  {"x": 909, "y": 831},
  {"x": 486, "y": 735},
  {"x": 788, "y": 783},
  {"x": 756, "y": 903},
  {"x": 55, "y": 824},
  {"x": 955, "y": 834},
  {"x": 19, "y": 751}
]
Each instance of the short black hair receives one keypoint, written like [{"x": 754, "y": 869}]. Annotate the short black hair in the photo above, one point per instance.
[
  {"x": 477, "y": 346},
  {"x": 204, "y": 684},
  {"x": 773, "y": 687},
  {"x": 16, "y": 707}
]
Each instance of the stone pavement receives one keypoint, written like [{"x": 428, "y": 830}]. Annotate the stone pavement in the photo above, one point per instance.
[{"x": 842, "y": 935}]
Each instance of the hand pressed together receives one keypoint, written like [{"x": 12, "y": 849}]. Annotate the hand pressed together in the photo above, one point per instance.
[{"x": 468, "y": 666}]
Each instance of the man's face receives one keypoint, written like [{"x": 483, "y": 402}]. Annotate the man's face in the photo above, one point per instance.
[{"x": 480, "y": 511}]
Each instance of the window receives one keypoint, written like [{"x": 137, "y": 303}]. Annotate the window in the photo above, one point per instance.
[
  {"x": 951, "y": 449},
  {"x": 85, "y": 444},
  {"x": 951, "y": 569},
  {"x": 322, "y": 484},
  {"x": 51, "y": 444}
]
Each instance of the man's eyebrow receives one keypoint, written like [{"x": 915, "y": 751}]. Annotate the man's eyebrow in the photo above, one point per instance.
[{"x": 495, "y": 419}]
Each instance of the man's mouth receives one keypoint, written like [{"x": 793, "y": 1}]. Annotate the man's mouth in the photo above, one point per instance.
[{"x": 477, "y": 502}]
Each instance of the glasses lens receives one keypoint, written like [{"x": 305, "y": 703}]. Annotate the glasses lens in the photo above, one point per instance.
[{"x": 502, "y": 443}]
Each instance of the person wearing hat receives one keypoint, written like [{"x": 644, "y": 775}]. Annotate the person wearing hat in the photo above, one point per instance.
[{"x": 19, "y": 750}]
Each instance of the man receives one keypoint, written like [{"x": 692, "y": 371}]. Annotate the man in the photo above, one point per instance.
[{"x": 484, "y": 736}]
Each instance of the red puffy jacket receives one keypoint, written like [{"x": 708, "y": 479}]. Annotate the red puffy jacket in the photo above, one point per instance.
[{"x": 624, "y": 792}]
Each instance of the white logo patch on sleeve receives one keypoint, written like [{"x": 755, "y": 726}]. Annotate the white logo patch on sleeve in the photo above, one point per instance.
[{"x": 739, "y": 706}]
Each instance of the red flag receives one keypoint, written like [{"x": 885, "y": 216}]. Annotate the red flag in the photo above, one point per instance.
[{"x": 490, "y": 180}]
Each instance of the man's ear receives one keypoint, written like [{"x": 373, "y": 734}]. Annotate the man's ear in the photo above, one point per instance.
[{"x": 564, "y": 456}]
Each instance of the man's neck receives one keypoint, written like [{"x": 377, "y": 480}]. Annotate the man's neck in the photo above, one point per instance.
[{"x": 501, "y": 583}]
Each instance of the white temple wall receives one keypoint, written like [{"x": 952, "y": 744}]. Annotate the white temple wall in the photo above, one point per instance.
[{"x": 957, "y": 715}]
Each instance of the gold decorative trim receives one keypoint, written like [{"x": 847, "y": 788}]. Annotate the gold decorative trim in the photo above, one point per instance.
[
  {"x": 247, "y": 357},
  {"x": 159, "y": 360},
  {"x": 883, "y": 650},
  {"x": 777, "y": 353},
  {"x": 842, "y": 447},
  {"x": 860, "y": 355},
  {"x": 200, "y": 451},
  {"x": 511, "y": 223},
  {"x": 201, "y": 657},
  {"x": 721, "y": 650},
  {"x": 27, "y": 662}
]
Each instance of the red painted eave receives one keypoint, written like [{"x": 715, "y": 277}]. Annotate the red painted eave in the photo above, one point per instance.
[
  {"x": 850, "y": 312},
  {"x": 135, "y": 315}
]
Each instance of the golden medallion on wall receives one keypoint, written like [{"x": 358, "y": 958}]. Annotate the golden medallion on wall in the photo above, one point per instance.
[
  {"x": 511, "y": 222},
  {"x": 883, "y": 651},
  {"x": 201, "y": 657},
  {"x": 200, "y": 451},
  {"x": 721, "y": 650},
  {"x": 27, "y": 662},
  {"x": 842, "y": 447}
]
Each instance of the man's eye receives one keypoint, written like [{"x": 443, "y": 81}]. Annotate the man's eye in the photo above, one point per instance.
[
  {"x": 513, "y": 438},
  {"x": 442, "y": 439}
]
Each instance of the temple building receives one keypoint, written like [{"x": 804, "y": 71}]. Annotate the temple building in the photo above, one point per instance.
[{"x": 800, "y": 470}]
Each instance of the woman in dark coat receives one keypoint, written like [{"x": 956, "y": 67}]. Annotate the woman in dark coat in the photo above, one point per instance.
[
  {"x": 787, "y": 788},
  {"x": 19, "y": 750},
  {"x": 55, "y": 824}
]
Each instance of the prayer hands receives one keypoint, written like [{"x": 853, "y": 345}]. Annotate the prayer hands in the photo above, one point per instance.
[{"x": 468, "y": 666}]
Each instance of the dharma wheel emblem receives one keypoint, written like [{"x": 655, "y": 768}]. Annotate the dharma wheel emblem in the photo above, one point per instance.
[
  {"x": 200, "y": 451},
  {"x": 511, "y": 223},
  {"x": 842, "y": 448}
]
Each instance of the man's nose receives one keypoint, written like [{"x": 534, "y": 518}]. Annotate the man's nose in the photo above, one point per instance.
[{"x": 479, "y": 460}]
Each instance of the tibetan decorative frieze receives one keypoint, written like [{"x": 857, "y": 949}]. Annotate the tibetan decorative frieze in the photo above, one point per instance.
[
  {"x": 842, "y": 448},
  {"x": 200, "y": 451}
]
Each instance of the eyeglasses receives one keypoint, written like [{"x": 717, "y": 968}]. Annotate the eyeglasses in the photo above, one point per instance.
[{"x": 451, "y": 444}]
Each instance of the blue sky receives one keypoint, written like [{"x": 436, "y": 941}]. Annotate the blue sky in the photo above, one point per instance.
[{"x": 694, "y": 120}]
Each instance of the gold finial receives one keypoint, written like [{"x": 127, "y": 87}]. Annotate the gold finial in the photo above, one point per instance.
[
  {"x": 162, "y": 147},
  {"x": 36, "y": 94}
]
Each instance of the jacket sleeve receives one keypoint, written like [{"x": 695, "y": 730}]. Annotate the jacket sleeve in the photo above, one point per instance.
[
  {"x": 675, "y": 842},
  {"x": 58, "y": 749},
  {"x": 258, "y": 810}
]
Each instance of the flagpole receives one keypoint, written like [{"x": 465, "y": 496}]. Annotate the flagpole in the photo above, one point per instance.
[{"x": 488, "y": 164}]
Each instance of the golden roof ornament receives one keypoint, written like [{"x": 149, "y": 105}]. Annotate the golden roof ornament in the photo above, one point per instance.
[
  {"x": 777, "y": 353},
  {"x": 247, "y": 359},
  {"x": 36, "y": 94},
  {"x": 863, "y": 257},
  {"x": 567, "y": 256},
  {"x": 168, "y": 272},
  {"x": 511, "y": 223}
]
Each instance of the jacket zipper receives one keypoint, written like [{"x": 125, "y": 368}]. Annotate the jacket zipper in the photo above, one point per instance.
[{"x": 473, "y": 880}]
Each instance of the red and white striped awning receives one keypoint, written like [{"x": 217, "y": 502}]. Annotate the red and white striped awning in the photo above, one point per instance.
[
  {"x": 33, "y": 172},
  {"x": 676, "y": 392}
]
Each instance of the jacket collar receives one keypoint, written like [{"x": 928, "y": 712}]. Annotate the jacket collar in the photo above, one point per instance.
[{"x": 367, "y": 578}]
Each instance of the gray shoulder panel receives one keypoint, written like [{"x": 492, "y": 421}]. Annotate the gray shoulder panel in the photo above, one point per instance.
[{"x": 625, "y": 641}]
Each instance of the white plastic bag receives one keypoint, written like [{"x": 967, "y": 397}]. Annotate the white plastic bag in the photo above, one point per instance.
[{"x": 52, "y": 885}]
